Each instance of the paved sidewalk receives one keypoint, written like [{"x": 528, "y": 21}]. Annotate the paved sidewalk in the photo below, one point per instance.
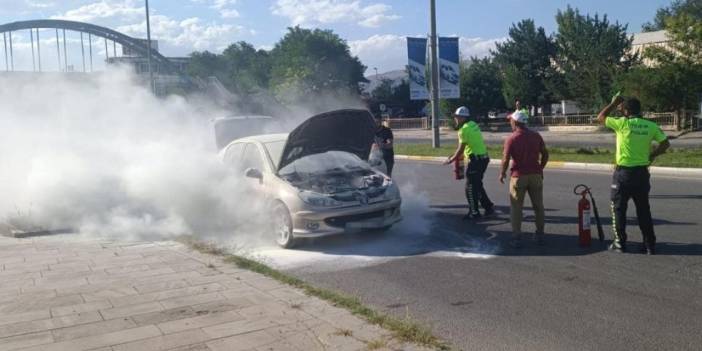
[{"x": 67, "y": 293}]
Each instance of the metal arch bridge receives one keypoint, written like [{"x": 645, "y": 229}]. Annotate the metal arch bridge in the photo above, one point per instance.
[{"x": 133, "y": 44}]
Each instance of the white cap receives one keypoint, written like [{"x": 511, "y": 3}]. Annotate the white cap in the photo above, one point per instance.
[
  {"x": 519, "y": 116},
  {"x": 462, "y": 111}
]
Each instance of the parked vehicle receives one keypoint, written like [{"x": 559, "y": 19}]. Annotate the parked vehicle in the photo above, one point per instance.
[{"x": 316, "y": 181}]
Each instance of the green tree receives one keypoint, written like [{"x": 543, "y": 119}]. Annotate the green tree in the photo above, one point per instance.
[
  {"x": 307, "y": 64},
  {"x": 205, "y": 64},
  {"x": 591, "y": 54},
  {"x": 525, "y": 63},
  {"x": 481, "y": 88},
  {"x": 384, "y": 91},
  {"x": 678, "y": 7},
  {"x": 674, "y": 79},
  {"x": 248, "y": 69}
]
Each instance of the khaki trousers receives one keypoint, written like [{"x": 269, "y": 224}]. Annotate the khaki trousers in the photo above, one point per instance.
[{"x": 518, "y": 187}]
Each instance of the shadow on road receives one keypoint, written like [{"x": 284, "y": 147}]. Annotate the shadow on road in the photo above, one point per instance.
[{"x": 449, "y": 233}]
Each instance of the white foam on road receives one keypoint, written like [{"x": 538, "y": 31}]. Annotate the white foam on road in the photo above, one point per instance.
[{"x": 418, "y": 234}]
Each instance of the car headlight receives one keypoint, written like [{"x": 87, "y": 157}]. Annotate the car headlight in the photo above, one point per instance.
[
  {"x": 392, "y": 192},
  {"x": 318, "y": 200}
]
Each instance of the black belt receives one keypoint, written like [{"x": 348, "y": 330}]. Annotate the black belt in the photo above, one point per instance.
[
  {"x": 478, "y": 157},
  {"x": 631, "y": 168}
]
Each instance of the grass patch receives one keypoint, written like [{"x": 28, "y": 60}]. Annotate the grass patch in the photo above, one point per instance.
[
  {"x": 403, "y": 329},
  {"x": 686, "y": 158}
]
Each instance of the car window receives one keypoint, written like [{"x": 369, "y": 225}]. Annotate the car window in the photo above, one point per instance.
[
  {"x": 252, "y": 158},
  {"x": 275, "y": 150},
  {"x": 232, "y": 157}
]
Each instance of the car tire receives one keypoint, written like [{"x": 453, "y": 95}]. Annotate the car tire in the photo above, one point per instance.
[{"x": 283, "y": 226}]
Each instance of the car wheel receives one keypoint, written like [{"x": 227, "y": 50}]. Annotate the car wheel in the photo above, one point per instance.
[{"x": 283, "y": 227}]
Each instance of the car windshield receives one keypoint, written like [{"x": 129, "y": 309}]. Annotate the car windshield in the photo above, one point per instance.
[
  {"x": 331, "y": 161},
  {"x": 275, "y": 150}
]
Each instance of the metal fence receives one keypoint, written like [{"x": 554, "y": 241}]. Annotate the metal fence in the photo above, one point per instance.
[{"x": 667, "y": 120}]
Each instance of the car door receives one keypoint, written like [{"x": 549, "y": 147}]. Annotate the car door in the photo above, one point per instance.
[{"x": 232, "y": 157}]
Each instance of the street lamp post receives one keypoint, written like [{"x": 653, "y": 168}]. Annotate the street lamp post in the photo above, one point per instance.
[
  {"x": 148, "y": 46},
  {"x": 435, "y": 140},
  {"x": 376, "y": 72}
]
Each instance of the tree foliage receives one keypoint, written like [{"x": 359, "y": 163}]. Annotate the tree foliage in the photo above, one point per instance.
[
  {"x": 591, "y": 54},
  {"x": 675, "y": 79},
  {"x": 306, "y": 64},
  {"x": 690, "y": 7},
  {"x": 525, "y": 63},
  {"x": 481, "y": 88}
]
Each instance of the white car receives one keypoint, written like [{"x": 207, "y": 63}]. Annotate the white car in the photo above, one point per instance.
[{"x": 316, "y": 181}]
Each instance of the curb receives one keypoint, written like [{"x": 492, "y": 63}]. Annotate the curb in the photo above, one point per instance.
[{"x": 575, "y": 165}]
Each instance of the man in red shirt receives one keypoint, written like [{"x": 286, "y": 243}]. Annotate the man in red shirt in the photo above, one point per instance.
[{"x": 529, "y": 156}]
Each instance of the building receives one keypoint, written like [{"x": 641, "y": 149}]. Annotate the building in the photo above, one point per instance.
[
  {"x": 140, "y": 64},
  {"x": 645, "y": 40}
]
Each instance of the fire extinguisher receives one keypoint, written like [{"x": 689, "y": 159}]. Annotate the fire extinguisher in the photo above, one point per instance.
[
  {"x": 459, "y": 168},
  {"x": 584, "y": 217}
]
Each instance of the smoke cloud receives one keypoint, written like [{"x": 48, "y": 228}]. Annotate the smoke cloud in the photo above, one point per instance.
[{"x": 101, "y": 155}]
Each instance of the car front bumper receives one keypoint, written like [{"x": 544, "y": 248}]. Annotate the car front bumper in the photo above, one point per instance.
[{"x": 318, "y": 223}]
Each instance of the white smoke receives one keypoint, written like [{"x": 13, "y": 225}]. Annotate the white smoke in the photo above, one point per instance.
[{"x": 102, "y": 155}]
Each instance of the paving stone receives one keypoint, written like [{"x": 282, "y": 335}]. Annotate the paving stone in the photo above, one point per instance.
[
  {"x": 97, "y": 328},
  {"x": 166, "y": 342},
  {"x": 38, "y": 295},
  {"x": 239, "y": 327},
  {"x": 24, "y": 316},
  {"x": 30, "y": 303},
  {"x": 126, "y": 311},
  {"x": 196, "y": 347},
  {"x": 225, "y": 305},
  {"x": 192, "y": 300},
  {"x": 25, "y": 340},
  {"x": 168, "y": 294},
  {"x": 48, "y": 324},
  {"x": 109, "y": 294},
  {"x": 265, "y": 284},
  {"x": 98, "y": 341},
  {"x": 161, "y": 286},
  {"x": 246, "y": 341},
  {"x": 164, "y": 316},
  {"x": 84, "y": 307},
  {"x": 201, "y": 321}
]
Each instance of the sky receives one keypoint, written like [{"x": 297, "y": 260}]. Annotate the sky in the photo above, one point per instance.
[{"x": 374, "y": 29}]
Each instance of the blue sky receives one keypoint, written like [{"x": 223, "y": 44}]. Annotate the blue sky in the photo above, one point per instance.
[{"x": 375, "y": 29}]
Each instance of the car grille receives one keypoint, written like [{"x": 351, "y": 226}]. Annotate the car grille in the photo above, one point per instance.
[{"x": 340, "y": 222}]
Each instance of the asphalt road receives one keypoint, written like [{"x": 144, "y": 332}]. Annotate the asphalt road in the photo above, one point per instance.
[
  {"x": 463, "y": 281},
  {"x": 553, "y": 139}
]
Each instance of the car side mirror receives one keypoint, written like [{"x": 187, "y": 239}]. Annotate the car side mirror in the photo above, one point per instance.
[{"x": 254, "y": 173}]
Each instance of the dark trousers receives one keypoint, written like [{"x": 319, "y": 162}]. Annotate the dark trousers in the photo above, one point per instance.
[
  {"x": 389, "y": 163},
  {"x": 632, "y": 183},
  {"x": 475, "y": 191}
]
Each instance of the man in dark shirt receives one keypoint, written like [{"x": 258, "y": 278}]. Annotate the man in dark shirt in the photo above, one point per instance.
[
  {"x": 383, "y": 139},
  {"x": 529, "y": 156}
]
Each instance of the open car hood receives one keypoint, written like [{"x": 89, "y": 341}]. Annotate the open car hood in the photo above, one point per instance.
[{"x": 341, "y": 130}]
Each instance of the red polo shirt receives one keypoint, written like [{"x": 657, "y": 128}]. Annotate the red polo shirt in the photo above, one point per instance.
[{"x": 524, "y": 148}]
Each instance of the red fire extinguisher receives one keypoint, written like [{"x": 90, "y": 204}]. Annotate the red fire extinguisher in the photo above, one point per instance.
[
  {"x": 584, "y": 217},
  {"x": 459, "y": 168},
  {"x": 584, "y": 221}
]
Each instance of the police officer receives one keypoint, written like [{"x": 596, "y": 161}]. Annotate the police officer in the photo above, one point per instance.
[
  {"x": 631, "y": 178},
  {"x": 472, "y": 146}
]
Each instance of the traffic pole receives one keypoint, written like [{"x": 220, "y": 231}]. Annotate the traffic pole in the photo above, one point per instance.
[{"x": 435, "y": 140}]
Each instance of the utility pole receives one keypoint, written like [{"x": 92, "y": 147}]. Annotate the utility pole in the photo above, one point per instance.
[
  {"x": 435, "y": 140},
  {"x": 148, "y": 47}
]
